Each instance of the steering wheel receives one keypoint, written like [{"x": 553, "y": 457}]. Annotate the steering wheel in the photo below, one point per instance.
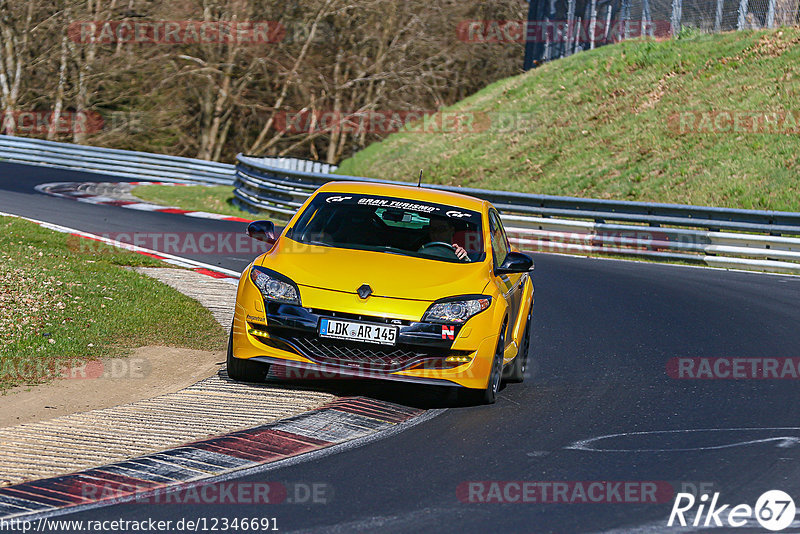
[{"x": 441, "y": 244}]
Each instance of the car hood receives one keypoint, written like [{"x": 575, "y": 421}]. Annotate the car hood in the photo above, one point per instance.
[{"x": 389, "y": 275}]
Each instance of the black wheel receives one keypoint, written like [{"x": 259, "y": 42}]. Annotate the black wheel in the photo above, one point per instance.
[
  {"x": 244, "y": 370},
  {"x": 520, "y": 363},
  {"x": 489, "y": 395}
]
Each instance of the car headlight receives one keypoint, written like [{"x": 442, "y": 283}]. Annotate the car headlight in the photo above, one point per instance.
[
  {"x": 275, "y": 287},
  {"x": 456, "y": 310}
]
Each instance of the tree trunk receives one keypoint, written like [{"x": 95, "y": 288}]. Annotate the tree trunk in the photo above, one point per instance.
[{"x": 59, "y": 101}]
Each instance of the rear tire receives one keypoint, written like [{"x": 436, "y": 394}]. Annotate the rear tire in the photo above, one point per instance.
[
  {"x": 520, "y": 363},
  {"x": 244, "y": 370}
]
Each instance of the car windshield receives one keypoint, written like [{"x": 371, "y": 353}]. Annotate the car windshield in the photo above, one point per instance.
[{"x": 391, "y": 225}]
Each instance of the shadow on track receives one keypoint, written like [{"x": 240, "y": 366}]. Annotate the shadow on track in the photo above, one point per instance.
[{"x": 420, "y": 396}]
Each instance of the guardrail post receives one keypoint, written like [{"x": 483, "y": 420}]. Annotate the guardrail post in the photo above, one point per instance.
[
  {"x": 626, "y": 18},
  {"x": 675, "y": 21},
  {"x": 771, "y": 14},
  {"x": 718, "y": 16},
  {"x": 647, "y": 26},
  {"x": 742, "y": 14},
  {"x": 570, "y": 25},
  {"x": 546, "y": 53}
]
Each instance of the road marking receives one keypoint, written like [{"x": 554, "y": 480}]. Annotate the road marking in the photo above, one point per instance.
[
  {"x": 781, "y": 441},
  {"x": 119, "y": 194}
]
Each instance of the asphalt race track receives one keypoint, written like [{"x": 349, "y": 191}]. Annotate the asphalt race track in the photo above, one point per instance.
[{"x": 604, "y": 333}]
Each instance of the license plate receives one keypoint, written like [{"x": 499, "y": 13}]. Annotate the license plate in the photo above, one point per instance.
[{"x": 356, "y": 331}]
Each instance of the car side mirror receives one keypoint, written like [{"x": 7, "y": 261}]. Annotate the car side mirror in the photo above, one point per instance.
[
  {"x": 515, "y": 262},
  {"x": 262, "y": 231}
]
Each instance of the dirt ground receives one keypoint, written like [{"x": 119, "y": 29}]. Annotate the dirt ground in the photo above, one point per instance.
[{"x": 148, "y": 372}]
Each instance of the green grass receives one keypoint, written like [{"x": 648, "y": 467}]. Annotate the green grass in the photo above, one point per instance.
[
  {"x": 212, "y": 199},
  {"x": 65, "y": 300},
  {"x": 602, "y": 124}
]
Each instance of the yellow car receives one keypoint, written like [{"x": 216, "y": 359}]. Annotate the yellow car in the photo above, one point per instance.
[{"x": 390, "y": 282}]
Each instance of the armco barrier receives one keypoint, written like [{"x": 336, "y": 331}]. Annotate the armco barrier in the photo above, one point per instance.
[
  {"x": 125, "y": 163},
  {"x": 723, "y": 237}
]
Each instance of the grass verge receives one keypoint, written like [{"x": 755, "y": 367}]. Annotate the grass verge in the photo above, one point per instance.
[
  {"x": 212, "y": 199},
  {"x": 607, "y": 123},
  {"x": 65, "y": 300}
]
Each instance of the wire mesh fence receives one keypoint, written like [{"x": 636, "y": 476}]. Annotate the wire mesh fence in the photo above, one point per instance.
[{"x": 559, "y": 28}]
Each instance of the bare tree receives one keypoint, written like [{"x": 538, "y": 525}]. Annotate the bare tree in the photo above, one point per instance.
[
  {"x": 15, "y": 33},
  {"x": 214, "y": 99},
  {"x": 290, "y": 78}
]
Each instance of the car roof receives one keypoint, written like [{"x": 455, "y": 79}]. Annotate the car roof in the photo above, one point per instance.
[{"x": 406, "y": 192}]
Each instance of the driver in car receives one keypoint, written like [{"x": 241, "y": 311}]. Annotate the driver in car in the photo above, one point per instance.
[{"x": 443, "y": 231}]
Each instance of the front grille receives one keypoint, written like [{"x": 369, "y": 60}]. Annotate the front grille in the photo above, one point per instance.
[{"x": 363, "y": 356}]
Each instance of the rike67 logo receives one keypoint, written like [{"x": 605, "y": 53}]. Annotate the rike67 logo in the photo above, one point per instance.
[{"x": 774, "y": 510}]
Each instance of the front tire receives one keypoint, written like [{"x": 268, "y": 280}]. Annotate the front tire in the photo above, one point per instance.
[
  {"x": 520, "y": 363},
  {"x": 244, "y": 370},
  {"x": 489, "y": 395}
]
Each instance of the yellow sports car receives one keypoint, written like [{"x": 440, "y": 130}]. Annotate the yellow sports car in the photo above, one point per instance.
[{"x": 389, "y": 282}]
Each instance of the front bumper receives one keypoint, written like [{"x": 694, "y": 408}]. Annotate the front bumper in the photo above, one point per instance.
[{"x": 288, "y": 335}]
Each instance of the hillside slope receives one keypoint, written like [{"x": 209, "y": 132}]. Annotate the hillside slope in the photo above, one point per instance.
[{"x": 639, "y": 120}]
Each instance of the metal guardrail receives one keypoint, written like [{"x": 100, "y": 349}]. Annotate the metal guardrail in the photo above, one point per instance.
[
  {"x": 295, "y": 164},
  {"x": 720, "y": 237},
  {"x": 125, "y": 163}
]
